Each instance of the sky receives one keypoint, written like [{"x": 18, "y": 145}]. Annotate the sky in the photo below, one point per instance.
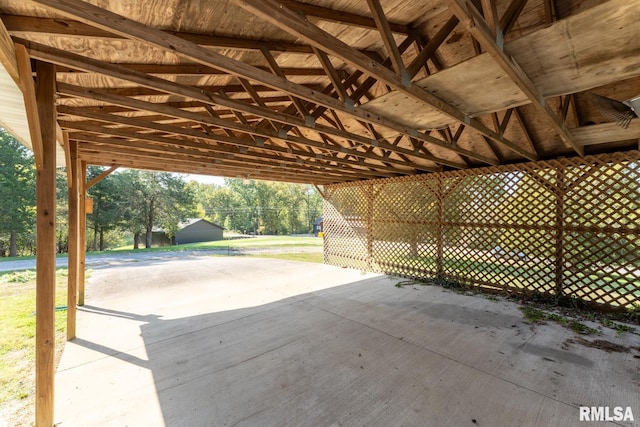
[{"x": 205, "y": 179}]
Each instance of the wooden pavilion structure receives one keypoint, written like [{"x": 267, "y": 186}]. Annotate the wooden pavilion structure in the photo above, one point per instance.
[{"x": 311, "y": 91}]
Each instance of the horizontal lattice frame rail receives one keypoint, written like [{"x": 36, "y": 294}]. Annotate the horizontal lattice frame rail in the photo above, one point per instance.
[{"x": 563, "y": 228}]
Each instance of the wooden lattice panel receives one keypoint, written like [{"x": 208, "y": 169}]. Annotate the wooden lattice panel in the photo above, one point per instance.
[
  {"x": 403, "y": 219},
  {"x": 567, "y": 227},
  {"x": 602, "y": 233},
  {"x": 347, "y": 226}
]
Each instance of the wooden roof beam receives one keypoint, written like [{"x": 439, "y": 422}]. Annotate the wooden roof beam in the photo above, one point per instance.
[
  {"x": 387, "y": 38},
  {"x": 201, "y": 118},
  {"x": 342, "y": 17},
  {"x": 109, "y": 21},
  {"x": 151, "y": 148},
  {"x": 123, "y": 156},
  {"x": 525, "y": 129},
  {"x": 8, "y": 55},
  {"x": 332, "y": 73},
  {"x": 100, "y": 177},
  {"x": 58, "y": 56},
  {"x": 28, "y": 88},
  {"x": 432, "y": 45},
  {"x": 255, "y": 97},
  {"x": 370, "y": 81},
  {"x": 493, "y": 43},
  {"x": 68, "y": 27},
  {"x": 511, "y": 15},
  {"x": 275, "y": 69},
  {"x": 197, "y": 70},
  {"x": 94, "y": 158},
  {"x": 242, "y": 144},
  {"x": 271, "y": 12}
]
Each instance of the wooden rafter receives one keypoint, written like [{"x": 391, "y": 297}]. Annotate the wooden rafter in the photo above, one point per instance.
[
  {"x": 57, "y": 56},
  {"x": 197, "y": 70},
  {"x": 200, "y": 118},
  {"x": 23, "y": 63},
  {"x": 431, "y": 47},
  {"x": 339, "y": 16},
  {"x": 387, "y": 38},
  {"x": 478, "y": 27},
  {"x": 270, "y": 11},
  {"x": 332, "y": 73},
  {"x": 525, "y": 129},
  {"x": 244, "y": 144},
  {"x": 491, "y": 15},
  {"x": 69, "y": 27},
  {"x": 109, "y": 155},
  {"x": 128, "y": 28},
  {"x": 511, "y": 15},
  {"x": 100, "y": 177},
  {"x": 8, "y": 55},
  {"x": 149, "y": 152},
  {"x": 275, "y": 69}
]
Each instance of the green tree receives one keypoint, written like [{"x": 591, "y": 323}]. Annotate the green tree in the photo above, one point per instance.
[
  {"x": 106, "y": 212},
  {"x": 17, "y": 191},
  {"x": 149, "y": 199}
]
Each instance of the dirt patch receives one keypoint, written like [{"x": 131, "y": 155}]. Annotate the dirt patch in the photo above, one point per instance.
[{"x": 604, "y": 345}]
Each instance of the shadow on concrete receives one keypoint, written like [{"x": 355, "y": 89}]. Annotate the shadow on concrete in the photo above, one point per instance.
[{"x": 363, "y": 353}]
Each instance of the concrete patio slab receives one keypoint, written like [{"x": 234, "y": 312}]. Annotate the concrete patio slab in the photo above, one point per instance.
[{"x": 217, "y": 341}]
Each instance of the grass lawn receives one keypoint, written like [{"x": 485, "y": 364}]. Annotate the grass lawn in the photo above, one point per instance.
[
  {"x": 302, "y": 257},
  {"x": 17, "y": 342},
  {"x": 252, "y": 242}
]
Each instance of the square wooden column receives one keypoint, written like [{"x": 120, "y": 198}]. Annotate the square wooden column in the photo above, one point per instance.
[
  {"x": 82, "y": 230},
  {"x": 45, "y": 246},
  {"x": 74, "y": 239}
]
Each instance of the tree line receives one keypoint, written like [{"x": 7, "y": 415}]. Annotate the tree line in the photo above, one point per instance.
[{"x": 129, "y": 205}]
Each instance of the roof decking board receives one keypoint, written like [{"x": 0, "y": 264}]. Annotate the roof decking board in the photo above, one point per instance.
[
  {"x": 471, "y": 86},
  {"x": 553, "y": 58}
]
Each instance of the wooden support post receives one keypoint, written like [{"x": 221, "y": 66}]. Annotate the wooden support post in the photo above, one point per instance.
[
  {"x": 45, "y": 246},
  {"x": 440, "y": 197},
  {"x": 559, "y": 250},
  {"x": 369, "y": 222},
  {"x": 100, "y": 177},
  {"x": 82, "y": 231},
  {"x": 74, "y": 242},
  {"x": 30, "y": 102}
]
